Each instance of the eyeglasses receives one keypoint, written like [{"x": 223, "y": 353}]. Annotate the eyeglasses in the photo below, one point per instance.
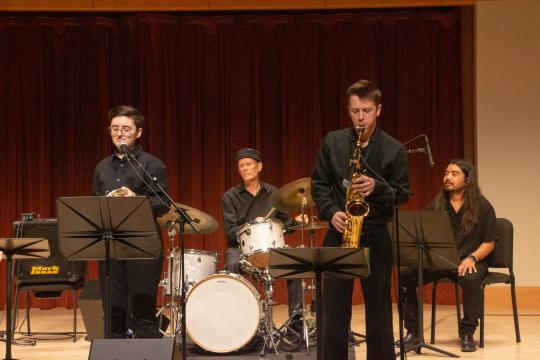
[{"x": 113, "y": 130}]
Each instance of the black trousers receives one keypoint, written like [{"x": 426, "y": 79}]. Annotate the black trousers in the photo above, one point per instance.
[
  {"x": 472, "y": 295},
  {"x": 337, "y": 302},
  {"x": 133, "y": 296}
]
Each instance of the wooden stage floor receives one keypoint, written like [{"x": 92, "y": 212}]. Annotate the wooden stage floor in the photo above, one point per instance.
[{"x": 499, "y": 334}]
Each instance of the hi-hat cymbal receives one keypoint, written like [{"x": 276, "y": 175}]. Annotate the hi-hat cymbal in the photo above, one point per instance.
[
  {"x": 206, "y": 223},
  {"x": 289, "y": 197},
  {"x": 313, "y": 225}
]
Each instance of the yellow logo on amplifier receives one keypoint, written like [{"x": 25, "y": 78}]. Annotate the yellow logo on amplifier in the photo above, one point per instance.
[{"x": 45, "y": 270}]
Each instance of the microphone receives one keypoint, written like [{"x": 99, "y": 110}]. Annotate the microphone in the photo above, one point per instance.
[
  {"x": 428, "y": 152},
  {"x": 123, "y": 148}
]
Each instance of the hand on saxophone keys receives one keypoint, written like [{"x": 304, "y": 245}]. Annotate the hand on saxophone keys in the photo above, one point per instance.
[
  {"x": 365, "y": 185},
  {"x": 339, "y": 220}
]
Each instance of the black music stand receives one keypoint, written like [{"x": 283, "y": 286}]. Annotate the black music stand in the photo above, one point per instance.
[
  {"x": 105, "y": 228},
  {"x": 19, "y": 248},
  {"x": 426, "y": 241},
  {"x": 319, "y": 263}
]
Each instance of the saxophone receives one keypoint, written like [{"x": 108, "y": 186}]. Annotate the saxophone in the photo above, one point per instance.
[{"x": 356, "y": 206}]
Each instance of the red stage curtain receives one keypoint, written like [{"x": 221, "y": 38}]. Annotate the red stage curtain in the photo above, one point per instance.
[{"x": 210, "y": 84}]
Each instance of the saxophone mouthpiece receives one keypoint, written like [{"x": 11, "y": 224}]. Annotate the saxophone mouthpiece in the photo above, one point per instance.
[{"x": 359, "y": 129}]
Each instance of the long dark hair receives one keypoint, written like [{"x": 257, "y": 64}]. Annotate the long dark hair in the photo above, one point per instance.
[{"x": 472, "y": 195}]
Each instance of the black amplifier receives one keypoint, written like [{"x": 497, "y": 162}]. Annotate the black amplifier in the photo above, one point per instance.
[{"x": 55, "y": 269}]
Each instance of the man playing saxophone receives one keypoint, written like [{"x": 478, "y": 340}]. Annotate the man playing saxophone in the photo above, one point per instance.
[{"x": 383, "y": 158}]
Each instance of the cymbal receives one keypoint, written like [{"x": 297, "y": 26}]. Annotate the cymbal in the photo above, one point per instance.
[
  {"x": 206, "y": 223},
  {"x": 313, "y": 225},
  {"x": 289, "y": 197}
]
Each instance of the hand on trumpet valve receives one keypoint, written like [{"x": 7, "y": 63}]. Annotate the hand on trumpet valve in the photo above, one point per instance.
[{"x": 121, "y": 192}]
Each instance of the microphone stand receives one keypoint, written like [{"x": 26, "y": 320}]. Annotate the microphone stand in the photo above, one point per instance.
[
  {"x": 182, "y": 220},
  {"x": 397, "y": 190},
  {"x": 423, "y": 150}
]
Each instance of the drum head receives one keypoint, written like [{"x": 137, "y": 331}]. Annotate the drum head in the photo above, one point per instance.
[{"x": 222, "y": 313}]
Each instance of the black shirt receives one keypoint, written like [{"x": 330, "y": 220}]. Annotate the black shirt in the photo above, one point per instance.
[
  {"x": 484, "y": 230},
  {"x": 112, "y": 173},
  {"x": 239, "y": 206},
  {"x": 385, "y": 156}
]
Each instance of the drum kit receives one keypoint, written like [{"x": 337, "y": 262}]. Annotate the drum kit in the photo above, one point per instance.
[{"x": 224, "y": 311}]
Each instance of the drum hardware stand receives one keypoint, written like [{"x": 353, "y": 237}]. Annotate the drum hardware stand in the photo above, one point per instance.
[
  {"x": 170, "y": 282},
  {"x": 181, "y": 224},
  {"x": 305, "y": 330},
  {"x": 356, "y": 338},
  {"x": 269, "y": 330},
  {"x": 306, "y": 333}
]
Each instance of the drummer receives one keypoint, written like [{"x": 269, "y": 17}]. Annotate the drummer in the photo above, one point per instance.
[{"x": 248, "y": 201}]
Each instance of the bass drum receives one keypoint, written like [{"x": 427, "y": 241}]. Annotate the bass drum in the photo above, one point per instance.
[{"x": 223, "y": 313}]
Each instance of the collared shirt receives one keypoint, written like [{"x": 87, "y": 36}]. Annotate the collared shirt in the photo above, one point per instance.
[
  {"x": 239, "y": 206},
  {"x": 383, "y": 155},
  {"x": 484, "y": 231},
  {"x": 114, "y": 172}
]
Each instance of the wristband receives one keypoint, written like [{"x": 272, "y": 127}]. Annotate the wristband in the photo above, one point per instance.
[{"x": 472, "y": 257}]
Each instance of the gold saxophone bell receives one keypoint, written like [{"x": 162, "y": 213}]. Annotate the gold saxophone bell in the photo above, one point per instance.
[
  {"x": 120, "y": 192},
  {"x": 356, "y": 206}
]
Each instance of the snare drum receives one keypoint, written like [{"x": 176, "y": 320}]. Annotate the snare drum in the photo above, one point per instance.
[
  {"x": 223, "y": 312},
  {"x": 198, "y": 265},
  {"x": 257, "y": 237}
]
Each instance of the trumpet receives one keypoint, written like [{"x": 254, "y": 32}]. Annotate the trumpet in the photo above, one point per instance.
[{"x": 120, "y": 192}]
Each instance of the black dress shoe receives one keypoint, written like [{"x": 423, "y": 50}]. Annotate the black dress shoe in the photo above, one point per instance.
[
  {"x": 410, "y": 340},
  {"x": 467, "y": 343}
]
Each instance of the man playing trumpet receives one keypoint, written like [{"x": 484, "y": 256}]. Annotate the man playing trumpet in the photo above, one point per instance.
[{"x": 133, "y": 283}]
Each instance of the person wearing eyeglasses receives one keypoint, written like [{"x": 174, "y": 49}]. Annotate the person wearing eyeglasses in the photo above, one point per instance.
[{"x": 134, "y": 283}]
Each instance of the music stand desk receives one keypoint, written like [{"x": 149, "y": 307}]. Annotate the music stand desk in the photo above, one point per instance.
[
  {"x": 105, "y": 228},
  {"x": 319, "y": 263},
  {"x": 426, "y": 242},
  {"x": 19, "y": 248}
]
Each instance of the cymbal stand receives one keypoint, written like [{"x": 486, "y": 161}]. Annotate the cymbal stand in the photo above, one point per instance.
[
  {"x": 305, "y": 330},
  {"x": 305, "y": 289},
  {"x": 302, "y": 310},
  {"x": 170, "y": 282}
]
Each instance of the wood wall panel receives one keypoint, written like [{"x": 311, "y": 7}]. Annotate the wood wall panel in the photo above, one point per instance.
[
  {"x": 266, "y": 4},
  {"x": 205, "y": 5}
]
